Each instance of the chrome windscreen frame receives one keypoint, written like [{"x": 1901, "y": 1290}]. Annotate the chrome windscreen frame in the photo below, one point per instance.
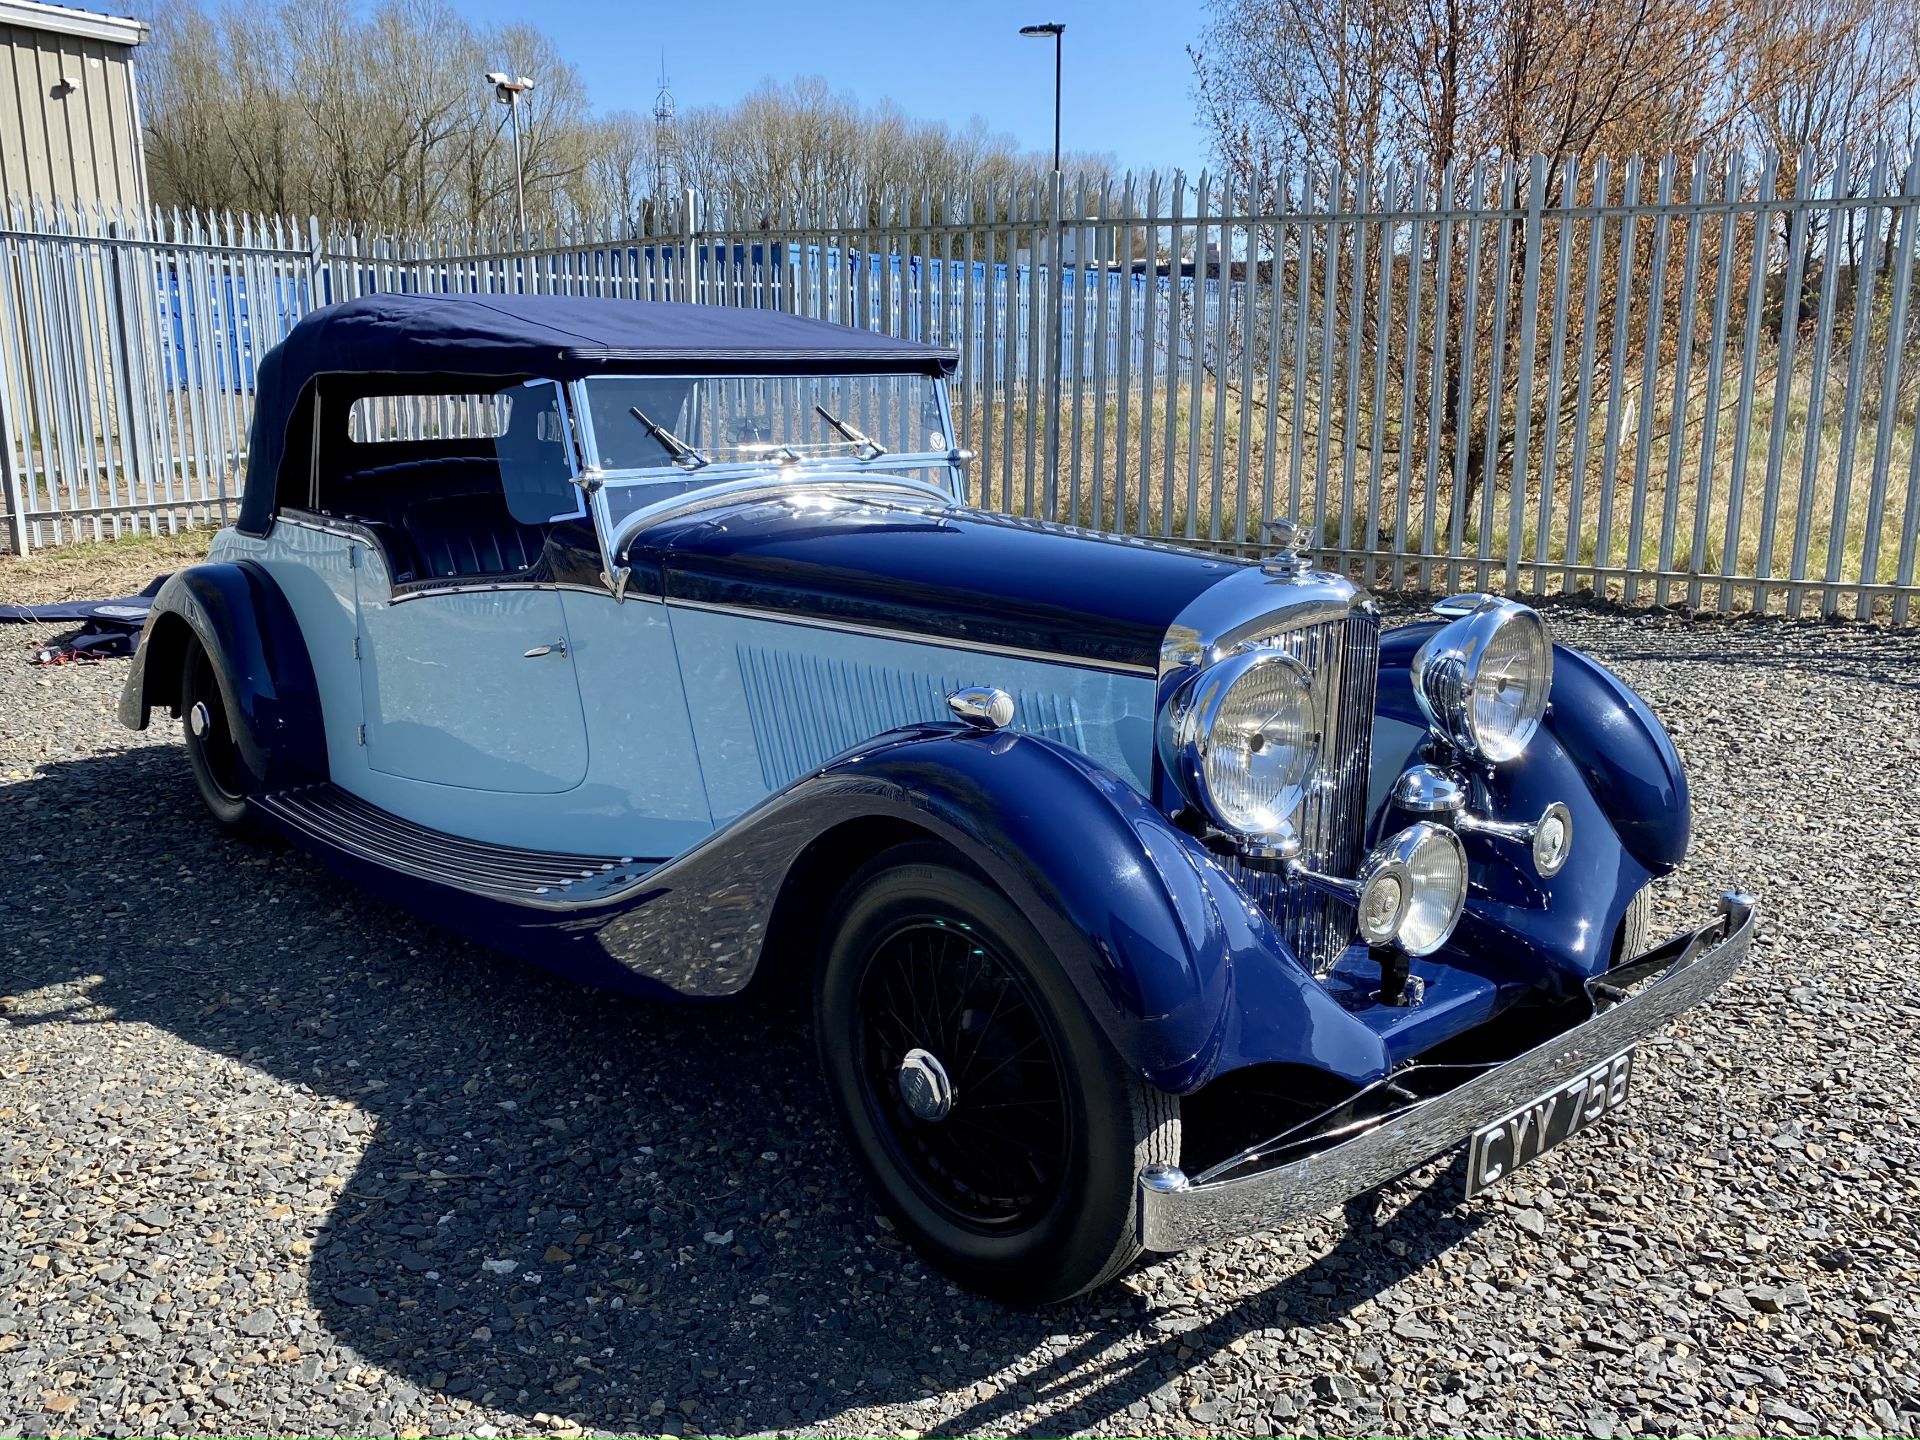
[
  {"x": 1344, "y": 1159},
  {"x": 731, "y": 482}
]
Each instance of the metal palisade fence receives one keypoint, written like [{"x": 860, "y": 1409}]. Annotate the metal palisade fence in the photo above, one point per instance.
[{"x": 1671, "y": 380}]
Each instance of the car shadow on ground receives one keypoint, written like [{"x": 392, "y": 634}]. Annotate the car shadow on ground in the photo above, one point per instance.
[{"x": 677, "y": 1239}]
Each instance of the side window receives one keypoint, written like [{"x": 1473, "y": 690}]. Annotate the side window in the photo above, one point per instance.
[
  {"x": 453, "y": 484},
  {"x": 535, "y": 452}
]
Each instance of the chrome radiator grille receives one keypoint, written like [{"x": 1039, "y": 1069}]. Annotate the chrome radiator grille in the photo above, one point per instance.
[{"x": 1343, "y": 656}]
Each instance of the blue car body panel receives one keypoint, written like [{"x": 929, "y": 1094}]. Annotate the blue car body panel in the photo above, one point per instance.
[{"x": 965, "y": 576}]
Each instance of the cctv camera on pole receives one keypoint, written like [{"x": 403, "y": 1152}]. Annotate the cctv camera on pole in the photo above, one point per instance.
[{"x": 507, "y": 89}]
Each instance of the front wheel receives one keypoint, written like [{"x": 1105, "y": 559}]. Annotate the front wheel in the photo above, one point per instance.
[
  {"x": 220, "y": 771},
  {"x": 1000, "y": 1130}
]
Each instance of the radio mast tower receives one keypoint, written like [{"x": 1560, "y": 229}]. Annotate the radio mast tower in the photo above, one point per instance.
[{"x": 662, "y": 135}]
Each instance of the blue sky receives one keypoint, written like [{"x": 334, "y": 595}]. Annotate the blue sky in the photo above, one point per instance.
[{"x": 1127, "y": 90}]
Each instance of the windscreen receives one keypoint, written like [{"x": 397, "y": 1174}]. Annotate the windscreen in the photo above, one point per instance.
[{"x": 649, "y": 423}]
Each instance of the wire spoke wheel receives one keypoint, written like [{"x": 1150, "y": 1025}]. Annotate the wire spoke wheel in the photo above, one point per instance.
[
  {"x": 991, "y": 1148},
  {"x": 998, "y": 1127}
]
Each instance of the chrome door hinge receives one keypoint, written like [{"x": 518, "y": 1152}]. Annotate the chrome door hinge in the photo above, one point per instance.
[
  {"x": 353, "y": 557},
  {"x": 356, "y": 647},
  {"x": 363, "y": 734}
]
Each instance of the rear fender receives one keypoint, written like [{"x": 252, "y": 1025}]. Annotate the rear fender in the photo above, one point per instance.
[{"x": 235, "y": 610}]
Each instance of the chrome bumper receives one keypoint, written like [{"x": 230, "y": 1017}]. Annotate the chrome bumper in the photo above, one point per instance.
[{"x": 1177, "y": 1213}]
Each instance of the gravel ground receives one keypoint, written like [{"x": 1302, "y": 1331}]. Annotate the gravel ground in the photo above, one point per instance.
[{"x": 277, "y": 1159}]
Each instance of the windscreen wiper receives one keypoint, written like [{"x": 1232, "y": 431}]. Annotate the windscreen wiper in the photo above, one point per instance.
[
  {"x": 874, "y": 448},
  {"x": 682, "y": 452}
]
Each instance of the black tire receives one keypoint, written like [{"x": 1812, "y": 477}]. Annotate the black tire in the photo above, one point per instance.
[
  {"x": 220, "y": 771},
  {"x": 1025, "y": 1189}
]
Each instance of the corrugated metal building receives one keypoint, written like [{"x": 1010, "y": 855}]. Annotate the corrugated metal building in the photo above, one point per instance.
[{"x": 70, "y": 108}]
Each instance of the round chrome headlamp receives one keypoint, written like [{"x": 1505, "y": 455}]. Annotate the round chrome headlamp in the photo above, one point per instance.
[
  {"x": 1246, "y": 741},
  {"x": 1412, "y": 889},
  {"x": 1482, "y": 680}
]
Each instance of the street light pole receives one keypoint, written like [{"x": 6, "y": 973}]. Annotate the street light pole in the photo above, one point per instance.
[
  {"x": 507, "y": 90},
  {"x": 1056, "y": 30}
]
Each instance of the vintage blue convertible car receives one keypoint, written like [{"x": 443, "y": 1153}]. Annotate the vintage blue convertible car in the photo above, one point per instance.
[{"x": 1147, "y": 896}]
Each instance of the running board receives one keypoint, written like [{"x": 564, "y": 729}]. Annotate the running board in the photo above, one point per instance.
[{"x": 542, "y": 877}]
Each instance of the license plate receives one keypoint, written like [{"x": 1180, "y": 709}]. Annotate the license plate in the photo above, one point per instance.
[{"x": 1502, "y": 1147}]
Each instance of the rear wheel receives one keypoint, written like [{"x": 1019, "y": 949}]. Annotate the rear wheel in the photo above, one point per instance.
[
  {"x": 220, "y": 771},
  {"x": 1000, "y": 1130}
]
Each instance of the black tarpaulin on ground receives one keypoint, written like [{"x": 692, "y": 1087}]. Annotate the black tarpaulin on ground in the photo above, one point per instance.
[{"x": 107, "y": 627}]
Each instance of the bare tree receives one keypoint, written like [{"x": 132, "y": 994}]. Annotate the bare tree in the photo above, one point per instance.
[
  {"x": 1428, "y": 81},
  {"x": 380, "y": 119}
]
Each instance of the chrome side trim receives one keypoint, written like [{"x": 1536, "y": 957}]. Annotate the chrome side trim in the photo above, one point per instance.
[
  {"x": 417, "y": 591},
  {"x": 946, "y": 642},
  {"x": 1176, "y": 1212},
  {"x": 324, "y": 525}
]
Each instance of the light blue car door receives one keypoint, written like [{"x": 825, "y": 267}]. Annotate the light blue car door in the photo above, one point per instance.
[
  {"x": 472, "y": 689},
  {"x": 466, "y": 670}
]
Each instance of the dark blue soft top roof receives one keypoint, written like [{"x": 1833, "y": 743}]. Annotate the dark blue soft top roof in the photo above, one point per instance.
[
  {"x": 561, "y": 336},
  {"x": 548, "y": 336}
]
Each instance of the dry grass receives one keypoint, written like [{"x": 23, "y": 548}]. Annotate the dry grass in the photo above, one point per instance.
[
  {"x": 1181, "y": 499},
  {"x": 98, "y": 569}
]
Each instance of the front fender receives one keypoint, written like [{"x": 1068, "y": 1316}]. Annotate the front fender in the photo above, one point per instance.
[
  {"x": 236, "y": 611},
  {"x": 1181, "y": 972},
  {"x": 1601, "y": 753},
  {"x": 1174, "y": 962},
  {"x": 1622, "y": 753}
]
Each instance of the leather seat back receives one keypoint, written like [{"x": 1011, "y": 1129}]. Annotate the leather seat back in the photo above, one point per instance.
[
  {"x": 462, "y": 535},
  {"x": 452, "y": 513}
]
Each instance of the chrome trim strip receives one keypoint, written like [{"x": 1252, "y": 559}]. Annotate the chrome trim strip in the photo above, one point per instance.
[
  {"x": 929, "y": 361},
  {"x": 420, "y": 590},
  {"x": 1012, "y": 652},
  {"x": 1176, "y": 1213},
  {"x": 548, "y": 880},
  {"x": 324, "y": 525}
]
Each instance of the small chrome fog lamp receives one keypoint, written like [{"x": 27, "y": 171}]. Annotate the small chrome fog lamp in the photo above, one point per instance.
[
  {"x": 1430, "y": 864},
  {"x": 1410, "y": 890},
  {"x": 1383, "y": 906}
]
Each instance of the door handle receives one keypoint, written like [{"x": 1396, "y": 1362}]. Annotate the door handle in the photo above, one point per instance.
[{"x": 558, "y": 647}]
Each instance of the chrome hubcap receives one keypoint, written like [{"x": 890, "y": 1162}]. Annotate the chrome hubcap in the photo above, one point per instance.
[
  {"x": 924, "y": 1085},
  {"x": 199, "y": 720}
]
